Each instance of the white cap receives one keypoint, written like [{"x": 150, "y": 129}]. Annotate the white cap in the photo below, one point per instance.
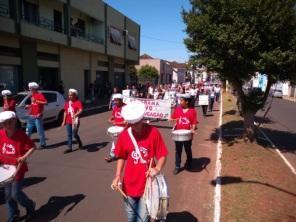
[
  {"x": 6, "y": 115},
  {"x": 73, "y": 91},
  {"x": 133, "y": 112},
  {"x": 184, "y": 95},
  {"x": 33, "y": 85},
  {"x": 6, "y": 92},
  {"x": 117, "y": 96}
]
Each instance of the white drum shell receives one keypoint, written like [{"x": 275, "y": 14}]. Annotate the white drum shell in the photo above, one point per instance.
[
  {"x": 115, "y": 130},
  {"x": 182, "y": 135},
  {"x": 157, "y": 197},
  {"x": 7, "y": 173}
]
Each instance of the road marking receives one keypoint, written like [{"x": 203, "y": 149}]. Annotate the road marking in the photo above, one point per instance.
[
  {"x": 217, "y": 198},
  {"x": 279, "y": 152}
]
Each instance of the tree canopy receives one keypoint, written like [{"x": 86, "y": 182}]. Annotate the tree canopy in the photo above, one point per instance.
[
  {"x": 236, "y": 38},
  {"x": 147, "y": 73}
]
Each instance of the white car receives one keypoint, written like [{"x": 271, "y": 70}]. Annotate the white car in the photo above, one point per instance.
[
  {"x": 53, "y": 111},
  {"x": 278, "y": 93}
]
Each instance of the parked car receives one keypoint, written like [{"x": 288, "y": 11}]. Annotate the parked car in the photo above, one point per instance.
[
  {"x": 278, "y": 93},
  {"x": 53, "y": 111}
]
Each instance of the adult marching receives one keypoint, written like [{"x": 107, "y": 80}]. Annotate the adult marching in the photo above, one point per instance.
[
  {"x": 38, "y": 101},
  {"x": 15, "y": 148},
  {"x": 137, "y": 145},
  {"x": 73, "y": 108},
  {"x": 117, "y": 120},
  {"x": 8, "y": 101},
  {"x": 186, "y": 119}
]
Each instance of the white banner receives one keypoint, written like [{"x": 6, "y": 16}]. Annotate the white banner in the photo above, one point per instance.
[
  {"x": 126, "y": 92},
  {"x": 203, "y": 100},
  {"x": 157, "y": 109}
]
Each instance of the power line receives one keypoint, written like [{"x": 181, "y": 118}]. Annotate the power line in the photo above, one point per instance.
[{"x": 161, "y": 40}]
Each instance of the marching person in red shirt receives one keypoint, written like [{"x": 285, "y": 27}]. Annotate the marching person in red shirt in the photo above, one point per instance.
[
  {"x": 73, "y": 108},
  {"x": 8, "y": 101},
  {"x": 186, "y": 118},
  {"x": 117, "y": 120},
  {"x": 135, "y": 158},
  {"x": 15, "y": 148},
  {"x": 38, "y": 101}
]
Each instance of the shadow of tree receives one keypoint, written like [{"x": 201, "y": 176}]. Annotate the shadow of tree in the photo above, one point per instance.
[
  {"x": 225, "y": 180},
  {"x": 55, "y": 206},
  {"x": 199, "y": 164},
  {"x": 230, "y": 112},
  {"x": 283, "y": 140},
  {"x": 29, "y": 181},
  {"x": 183, "y": 216}
]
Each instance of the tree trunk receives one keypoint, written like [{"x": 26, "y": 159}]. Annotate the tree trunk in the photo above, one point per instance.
[{"x": 249, "y": 127}]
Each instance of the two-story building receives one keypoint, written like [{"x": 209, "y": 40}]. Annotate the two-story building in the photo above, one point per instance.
[{"x": 77, "y": 42}]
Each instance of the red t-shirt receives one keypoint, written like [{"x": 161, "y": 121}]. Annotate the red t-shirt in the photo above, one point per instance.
[
  {"x": 9, "y": 105},
  {"x": 151, "y": 145},
  {"x": 13, "y": 148},
  {"x": 74, "y": 107},
  {"x": 116, "y": 113},
  {"x": 185, "y": 119},
  {"x": 37, "y": 109}
]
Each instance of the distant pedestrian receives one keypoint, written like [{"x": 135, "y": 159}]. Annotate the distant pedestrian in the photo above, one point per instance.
[
  {"x": 38, "y": 101},
  {"x": 8, "y": 101},
  {"x": 217, "y": 92},
  {"x": 212, "y": 99},
  {"x": 111, "y": 102},
  {"x": 73, "y": 109},
  {"x": 61, "y": 88}
]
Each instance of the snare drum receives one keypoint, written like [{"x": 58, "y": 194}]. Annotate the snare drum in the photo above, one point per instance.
[
  {"x": 7, "y": 173},
  {"x": 157, "y": 197},
  {"x": 182, "y": 135},
  {"x": 114, "y": 131}
]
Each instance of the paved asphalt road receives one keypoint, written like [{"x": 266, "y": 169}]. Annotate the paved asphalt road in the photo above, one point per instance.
[
  {"x": 75, "y": 187},
  {"x": 280, "y": 127}
]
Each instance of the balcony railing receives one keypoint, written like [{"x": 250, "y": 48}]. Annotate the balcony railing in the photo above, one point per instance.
[
  {"x": 43, "y": 23},
  {"x": 4, "y": 10},
  {"x": 80, "y": 33}
]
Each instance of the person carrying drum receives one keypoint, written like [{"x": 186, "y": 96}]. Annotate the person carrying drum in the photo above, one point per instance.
[
  {"x": 137, "y": 145},
  {"x": 38, "y": 101},
  {"x": 8, "y": 101},
  {"x": 186, "y": 118},
  {"x": 15, "y": 148},
  {"x": 73, "y": 108},
  {"x": 117, "y": 120}
]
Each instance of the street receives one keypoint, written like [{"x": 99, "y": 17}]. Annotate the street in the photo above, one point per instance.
[
  {"x": 76, "y": 186},
  {"x": 280, "y": 127}
]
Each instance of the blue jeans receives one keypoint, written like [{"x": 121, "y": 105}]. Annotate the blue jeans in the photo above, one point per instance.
[
  {"x": 73, "y": 132},
  {"x": 38, "y": 122},
  {"x": 14, "y": 195},
  {"x": 136, "y": 210}
]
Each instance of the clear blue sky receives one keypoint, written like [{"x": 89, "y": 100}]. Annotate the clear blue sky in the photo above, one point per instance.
[{"x": 159, "y": 19}]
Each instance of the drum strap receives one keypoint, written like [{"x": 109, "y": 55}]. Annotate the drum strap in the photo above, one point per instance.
[{"x": 135, "y": 145}]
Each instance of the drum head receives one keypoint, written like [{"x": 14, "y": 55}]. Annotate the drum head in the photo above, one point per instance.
[
  {"x": 6, "y": 172},
  {"x": 182, "y": 132},
  {"x": 115, "y": 129}
]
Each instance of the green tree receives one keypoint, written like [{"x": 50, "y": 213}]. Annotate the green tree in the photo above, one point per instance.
[
  {"x": 147, "y": 73},
  {"x": 236, "y": 38}
]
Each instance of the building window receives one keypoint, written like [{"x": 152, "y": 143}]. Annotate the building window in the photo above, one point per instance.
[
  {"x": 57, "y": 20},
  {"x": 104, "y": 64},
  {"x": 47, "y": 56},
  {"x": 132, "y": 43},
  {"x": 8, "y": 51},
  {"x": 30, "y": 13},
  {"x": 115, "y": 36},
  {"x": 4, "y": 8},
  {"x": 9, "y": 78}
]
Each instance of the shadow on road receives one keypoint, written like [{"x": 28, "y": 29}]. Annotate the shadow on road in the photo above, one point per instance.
[
  {"x": 283, "y": 140},
  {"x": 233, "y": 180},
  {"x": 56, "y": 145},
  {"x": 199, "y": 164},
  {"x": 94, "y": 147},
  {"x": 55, "y": 206},
  {"x": 181, "y": 217},
  {"x": 230, "y": 112},
  {"x": 29, "y": 181}
]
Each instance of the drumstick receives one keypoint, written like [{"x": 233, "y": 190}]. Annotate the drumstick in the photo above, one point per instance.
[
  {"x": 150, "y": 166},
  {"x": 121, "y": 191}
]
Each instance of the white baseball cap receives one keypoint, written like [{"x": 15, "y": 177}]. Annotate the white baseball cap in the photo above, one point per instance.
[
  {"x": 133, "y": 112},
  {"x": 73, "y": 91},
  {"x": 117, "y": 96},
  {"x": 33, "y": 85},
  {"x": 6, "y": 115},
  {"x": 6, "y": 93}
]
